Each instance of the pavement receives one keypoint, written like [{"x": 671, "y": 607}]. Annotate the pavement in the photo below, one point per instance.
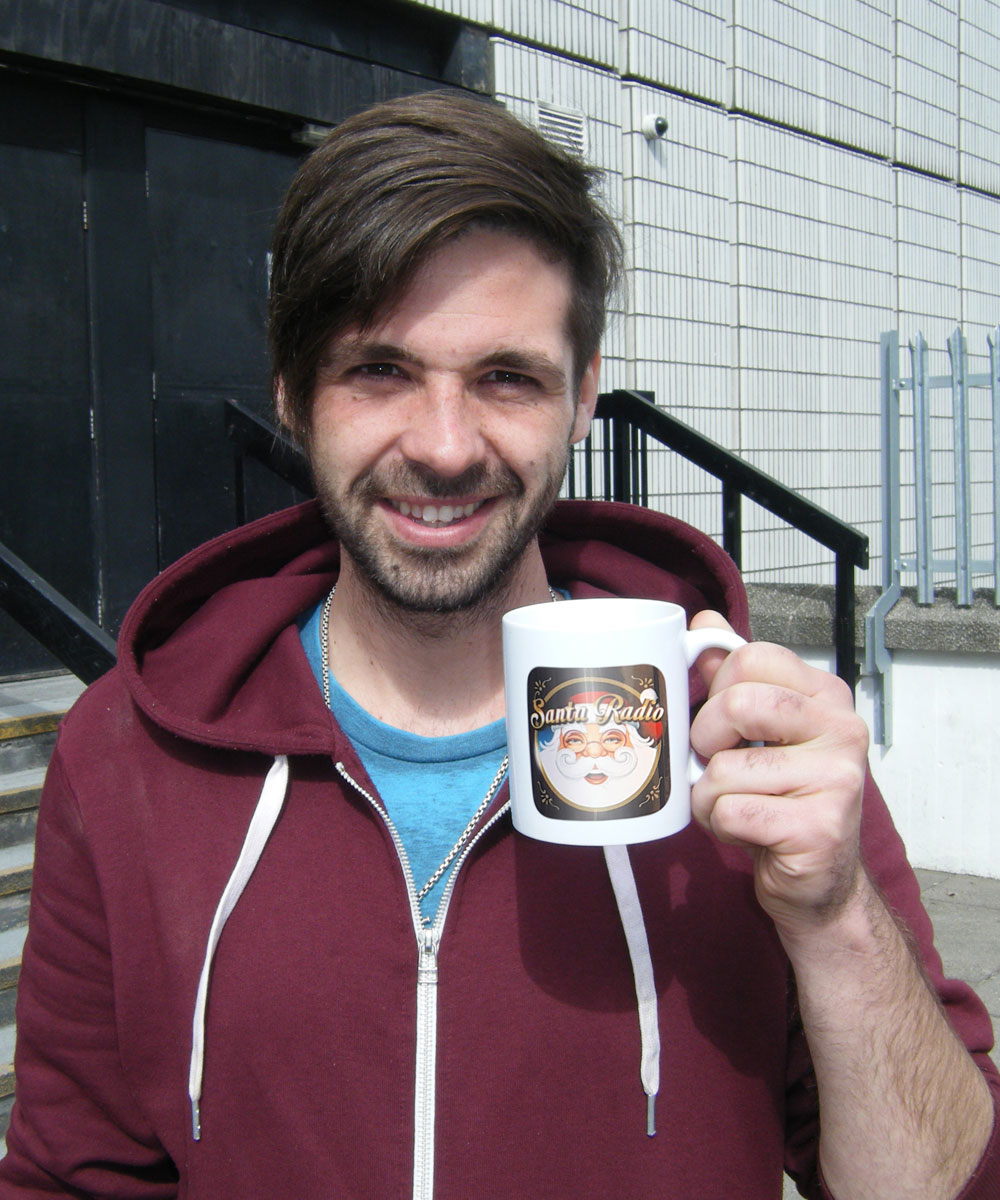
[{"x": 965, "y": 910}]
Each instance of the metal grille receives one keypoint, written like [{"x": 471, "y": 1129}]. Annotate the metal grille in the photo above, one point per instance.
[{"x": 565, "y": 127}]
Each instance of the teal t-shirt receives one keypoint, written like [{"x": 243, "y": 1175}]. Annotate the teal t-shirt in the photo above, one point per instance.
[{"x": 430, "y": 786}]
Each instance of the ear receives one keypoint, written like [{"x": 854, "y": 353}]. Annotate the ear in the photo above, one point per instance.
[
  {"x": 586, "y": 401},
  {"x": 286, "y": 415},
  {"x": 280, "y": 402}
]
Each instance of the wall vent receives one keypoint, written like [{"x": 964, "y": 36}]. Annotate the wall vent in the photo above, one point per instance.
[{"x": 566, "y": 127}]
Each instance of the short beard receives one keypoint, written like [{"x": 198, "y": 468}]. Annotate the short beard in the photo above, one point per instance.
[{"x": 438, "y": 582}]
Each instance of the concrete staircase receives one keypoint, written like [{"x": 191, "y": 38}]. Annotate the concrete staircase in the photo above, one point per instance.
[{"x": 30, "y": 712}]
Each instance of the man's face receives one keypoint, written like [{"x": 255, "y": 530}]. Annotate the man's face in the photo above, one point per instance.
[{"x": 439, "y": 437}]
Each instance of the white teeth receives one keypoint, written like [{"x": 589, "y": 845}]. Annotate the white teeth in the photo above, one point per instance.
[{"x": 438, "y": 515}]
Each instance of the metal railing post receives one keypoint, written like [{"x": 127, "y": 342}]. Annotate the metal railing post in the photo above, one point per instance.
[
  {"x": 923, "y": 490},
  {"x": 890, "y": 459},
  {"x": 994, "y": 345},
  {"x": 878, "y": 660},
  {"x": 963, "y": 519},
  {"x": 732, "y": 522},
  {"x": 620, "y": 461},
  {"x": 844, "y": 619}
]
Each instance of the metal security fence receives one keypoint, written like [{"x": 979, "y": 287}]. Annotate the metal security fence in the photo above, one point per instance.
[{"x": 939, "y": 546}]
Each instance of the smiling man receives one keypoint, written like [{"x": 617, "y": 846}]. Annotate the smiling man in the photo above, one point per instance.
[
  {"x": 284, "y": 941},
  {"x": 440, "y": 438}
]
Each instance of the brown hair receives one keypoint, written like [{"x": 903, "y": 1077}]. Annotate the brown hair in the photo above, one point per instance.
[{"x": 390, "y": 186}]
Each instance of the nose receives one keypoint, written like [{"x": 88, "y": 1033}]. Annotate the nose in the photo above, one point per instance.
[
  {"x": 443, "y": 428},
  {"x": 593, "y": 750}
]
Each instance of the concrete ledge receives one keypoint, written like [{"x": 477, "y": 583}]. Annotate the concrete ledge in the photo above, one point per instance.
[{"x": 802, "y": 615}]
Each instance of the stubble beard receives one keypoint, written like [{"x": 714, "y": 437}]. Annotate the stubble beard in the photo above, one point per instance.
[{"x": 429, "y": 582}]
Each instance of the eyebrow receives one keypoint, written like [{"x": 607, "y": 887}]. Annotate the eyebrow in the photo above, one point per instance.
[
  {"x": 358, "y": 349},
  {"x": 524, "y": 363}
]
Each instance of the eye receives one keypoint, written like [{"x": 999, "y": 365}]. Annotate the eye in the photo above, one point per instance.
[
  {"x": 573, "y": 741},
  {"x": 613, "y": 740},
  {"x": 510, "y": 379},
  {"x": 378, "y": 370}
]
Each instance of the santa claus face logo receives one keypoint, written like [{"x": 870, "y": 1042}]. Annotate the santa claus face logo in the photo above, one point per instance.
[{"x": 596, "y": 739}]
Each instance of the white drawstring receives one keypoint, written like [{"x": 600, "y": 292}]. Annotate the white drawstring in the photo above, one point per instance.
[
  {"x": 265, "y": 816},
  {"x": 272, "y": 798},
  {"x": 623, "y": 883}
]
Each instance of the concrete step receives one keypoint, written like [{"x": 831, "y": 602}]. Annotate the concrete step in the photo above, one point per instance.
[
  {"x": 30, "y": 712},
  {"x": 36, "y": 705},
  {"x": 15, "y": 867},
  {"x": 25, "y": 752},
  {"x": 20, "y": 792}
]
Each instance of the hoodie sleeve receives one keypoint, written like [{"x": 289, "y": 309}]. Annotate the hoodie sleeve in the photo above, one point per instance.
[
  {"x": 76, "y": 1127},
  {"x": 885, "y": 857}
]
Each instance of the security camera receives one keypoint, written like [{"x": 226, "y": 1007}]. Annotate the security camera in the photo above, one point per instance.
[{"x": 654, "y": 127}]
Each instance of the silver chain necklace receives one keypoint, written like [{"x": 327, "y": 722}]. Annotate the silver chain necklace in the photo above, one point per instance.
[{"x": 463, "y": 837}]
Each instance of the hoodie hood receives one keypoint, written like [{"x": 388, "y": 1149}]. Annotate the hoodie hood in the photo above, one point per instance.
[{"x": 210, "y": 650}]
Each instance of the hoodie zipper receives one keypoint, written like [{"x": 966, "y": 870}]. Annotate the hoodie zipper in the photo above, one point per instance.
[{"x": 428, "y": 947}]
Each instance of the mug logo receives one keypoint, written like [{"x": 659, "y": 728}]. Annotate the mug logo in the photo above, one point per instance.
[{"x": 597, "y": 749}]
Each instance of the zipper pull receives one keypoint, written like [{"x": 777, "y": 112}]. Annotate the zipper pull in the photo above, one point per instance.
[{"x": 427, "y": 963}]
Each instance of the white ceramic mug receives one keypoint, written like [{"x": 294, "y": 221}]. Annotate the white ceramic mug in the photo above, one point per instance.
[{"x": 598, "y": 726}]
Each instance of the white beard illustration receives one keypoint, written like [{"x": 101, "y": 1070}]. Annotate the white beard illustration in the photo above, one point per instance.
[{"x": 607, "y": 781}]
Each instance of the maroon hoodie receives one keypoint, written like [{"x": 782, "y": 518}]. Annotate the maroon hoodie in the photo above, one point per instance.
[{"x": 309, "y": 1062}]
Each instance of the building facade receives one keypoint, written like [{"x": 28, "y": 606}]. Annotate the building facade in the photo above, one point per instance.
[{"x": 829, "y": 170}]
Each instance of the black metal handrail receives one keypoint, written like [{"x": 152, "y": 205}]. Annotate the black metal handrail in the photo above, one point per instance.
[
  {"x": 628, "y": 419},
  {"x": 254, "y": 437},
  {"x": 616, "y": 467},
  {"x": 52, "y": 621}
]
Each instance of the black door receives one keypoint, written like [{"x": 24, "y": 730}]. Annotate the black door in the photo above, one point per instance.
[
  {"x": 212, "y": 206},
  {"x": 46, "y": 464},
  {"x": 133, "y": 280}
]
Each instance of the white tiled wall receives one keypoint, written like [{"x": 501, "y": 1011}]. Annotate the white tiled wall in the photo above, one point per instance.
[
  {"x": 979, "y": 95},
  {"x": 831, "y": 169},
  {"x": 927, "y": 85},
  {"x": 820, "y": 65},
  {"x": 814, "y": 278},
  {"x": 585, "y": 29},
  {"x": 686, "y": 43}
]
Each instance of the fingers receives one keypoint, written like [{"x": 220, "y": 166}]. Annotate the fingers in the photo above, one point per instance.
[
  {"x": 780, "y": 713},
  {"x": 798, "y": 812},
  {"x": 785, "y": 771},
  {"x": 795, "y": 800},
  {"x": 770, "y": 796}
]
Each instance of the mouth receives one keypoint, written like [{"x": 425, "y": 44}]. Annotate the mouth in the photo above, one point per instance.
[
  {"x": 436, "y": 516},
  {"x": 596, "y": 777}
]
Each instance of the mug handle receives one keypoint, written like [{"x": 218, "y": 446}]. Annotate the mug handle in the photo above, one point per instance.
[{"x": 695, "y": 641}]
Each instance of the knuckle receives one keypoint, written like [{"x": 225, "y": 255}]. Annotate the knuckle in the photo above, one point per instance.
[
  {"x": 755, "y": 659},
  {"x": 740, "y": 702},
  {"x": 841, "y": 692},
  {"x": 853, "y": 734},
  {"x": 848, "y": 780}
]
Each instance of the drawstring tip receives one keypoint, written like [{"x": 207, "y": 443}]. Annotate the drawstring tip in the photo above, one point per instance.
[
  {"x": 651, "y": 1115},
  {"x": 195, "y": 1121}
]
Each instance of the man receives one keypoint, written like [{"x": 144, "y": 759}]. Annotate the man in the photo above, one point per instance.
[{"x": 320, "y": 929}]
